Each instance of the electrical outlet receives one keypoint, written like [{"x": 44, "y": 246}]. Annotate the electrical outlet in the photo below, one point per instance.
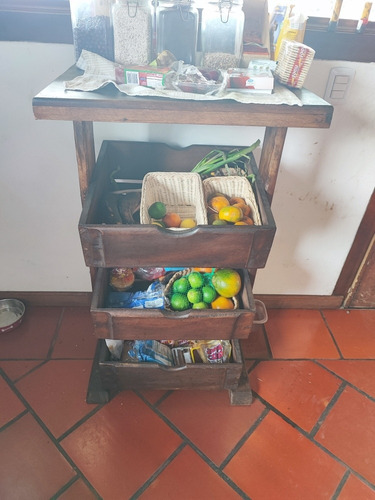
[{"x": 338, "y": 84}]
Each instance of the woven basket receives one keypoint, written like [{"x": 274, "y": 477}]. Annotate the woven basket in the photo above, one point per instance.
[
  {"x": 293, "y": 63},
  {"x": 181, "y": 192},
  {"x": 175, "y": 277},
  {"x": 231, "y": 186}
]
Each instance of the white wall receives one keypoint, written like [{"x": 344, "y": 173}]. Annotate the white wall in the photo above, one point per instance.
[{"x": 325, "y": 182}]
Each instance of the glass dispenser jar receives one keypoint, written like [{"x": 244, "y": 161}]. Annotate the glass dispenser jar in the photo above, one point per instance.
[
  {"x": 222, "y": 34},
  {"x": 177, "y": 29},
  {"x": 132, "y": 31},
  {"x": 92, "y": 28}
]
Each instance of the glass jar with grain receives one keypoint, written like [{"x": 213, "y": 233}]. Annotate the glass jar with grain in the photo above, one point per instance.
[
  {"x": 91, "y": 26},
  {"x": 222, "y": 34},
  {"x": 132, "y": 31}
]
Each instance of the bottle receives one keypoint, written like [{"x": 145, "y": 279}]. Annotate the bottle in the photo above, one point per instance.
[
  {"x": 132, "y": 32},
  {"x": 177, "y": 29},
  {"x": 222, "y": 34},
  {"x": 91, "y": 25}
]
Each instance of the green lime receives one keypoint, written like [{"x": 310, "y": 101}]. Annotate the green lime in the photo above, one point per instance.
[
  {"x": 209, "y": 294},
  {"x": 157, "y": 210},
  {"x": 200, "y": 305},
  {"x": 194, "y": 295},
  {"x": 181, "y": 285},
  {"x": 179, "y": 302},
  {"x": 219, "y": 222},
  {"x": 195, "y": 279}
]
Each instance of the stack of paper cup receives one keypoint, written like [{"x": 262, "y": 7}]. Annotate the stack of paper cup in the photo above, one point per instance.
[{"x": 293, "y": 63}]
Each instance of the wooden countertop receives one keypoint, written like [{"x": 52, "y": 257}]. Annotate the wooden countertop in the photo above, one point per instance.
[{"x": 110, "y": 105}]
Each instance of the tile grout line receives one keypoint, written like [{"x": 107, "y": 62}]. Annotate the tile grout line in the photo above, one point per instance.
[
  {"x": 244, "y": 438},
  {"x": 158, "y": 471},
  {"x": 268, "y": 345},
  {"x": 208, "y": 461},
  {"x": 327, "y": 410},
  {"x": 331, "y": 334},
  {"x": 46, "y": 430},
  {"x": 349, "y": 384},
  {"x": 55, "y": 335},
  {"x": 313, "y": 441},
  {"x": 341, "y": 485}
]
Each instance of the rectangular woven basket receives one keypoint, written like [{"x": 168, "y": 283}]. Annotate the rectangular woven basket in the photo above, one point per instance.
[
  {"x": 181, "y": 192},
  {"x": 233, "y": 185}
]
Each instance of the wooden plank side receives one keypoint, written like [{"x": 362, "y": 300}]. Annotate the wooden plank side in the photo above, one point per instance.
[{"x": 109, "y": 105}]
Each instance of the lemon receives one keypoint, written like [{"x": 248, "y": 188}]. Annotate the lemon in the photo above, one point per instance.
[
  {"x": 187, "y": 223},
  {"x": 157, "y": 210},
  {"x": 209, "y": 294},
  {"x": 181, "y": 285},
  {"x": 230, "y": 214},
  {"x": 200, "y": 305},
  {"x": 179, "y": 302},
  {"x": 195, "y": 279},
  {"x": 194, "y": 295}
]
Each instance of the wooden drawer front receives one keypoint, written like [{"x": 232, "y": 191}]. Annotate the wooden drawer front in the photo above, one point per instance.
[
  {"x": 160, "y": 324},
  {"x": 116, "y": 375},
  {"x": 123, "y": 245}
]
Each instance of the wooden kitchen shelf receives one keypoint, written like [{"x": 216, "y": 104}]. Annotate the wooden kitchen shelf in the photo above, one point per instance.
[{"x": 109, "y": 105}]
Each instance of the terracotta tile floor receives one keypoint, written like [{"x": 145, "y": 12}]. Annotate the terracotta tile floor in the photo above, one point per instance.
[{"x": 309, "y": 433}]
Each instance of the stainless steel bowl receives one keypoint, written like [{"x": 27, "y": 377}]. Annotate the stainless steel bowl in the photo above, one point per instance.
[{"x": 11, "y": 314}]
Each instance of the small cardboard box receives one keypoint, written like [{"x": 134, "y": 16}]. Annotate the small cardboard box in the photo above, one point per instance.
[
  {"x": 146, "y": 76},
  {"x": 251, "y": 79}
]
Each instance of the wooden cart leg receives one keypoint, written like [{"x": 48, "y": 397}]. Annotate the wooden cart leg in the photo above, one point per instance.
[
  {"x": 96, "y": 394},
  {"x": 241, "y": 396}
]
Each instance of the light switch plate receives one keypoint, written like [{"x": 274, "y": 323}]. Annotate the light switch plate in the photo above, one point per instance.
[{"x": 338, "y": 84}]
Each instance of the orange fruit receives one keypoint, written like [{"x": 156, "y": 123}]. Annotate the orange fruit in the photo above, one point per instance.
[
  {"x": 230, "y": 214},
  {"x": 248, "y": 221},
  {"x": 222, "y": 303},
  {"x": 218, "y": 202},
  {"x": 227, "y": 282},
  {"x": 236, "y": 199},
  {"x": 172, "y": 220},
  {"x": 203, "y": 269},
  {"x": 240, "y": 223}
]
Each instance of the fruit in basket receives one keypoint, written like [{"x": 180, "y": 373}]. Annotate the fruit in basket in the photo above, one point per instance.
[
  {"x": 219, "y": 223},
  {"x": 194, "y": 295},
  {"x": 245, "y": 209},
  {"x": 227, "y": 282},
  {"x": 157, "y": 210},
  {"x": 181, "y": 285},
  {"x": 218, "y": 202},
  {"x": 236, "y": 199},
  {"x": 188, "y": 223},
  {"x": 222, "y": 303},
  {"x": 230, "y": 214},
  {"x": 209, "y": 294},
  {"x": 196, "y": 280},
  {"x": 248, "y": 220},
  {"x": 212, "y": 217},
  {"x": 172, "y": 220},
  {"x": 179, "y": 302},
  {"x": 200, "y": 305}
]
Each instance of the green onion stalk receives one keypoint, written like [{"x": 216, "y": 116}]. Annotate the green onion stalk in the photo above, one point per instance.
[{"x": 217, "y": 158}]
